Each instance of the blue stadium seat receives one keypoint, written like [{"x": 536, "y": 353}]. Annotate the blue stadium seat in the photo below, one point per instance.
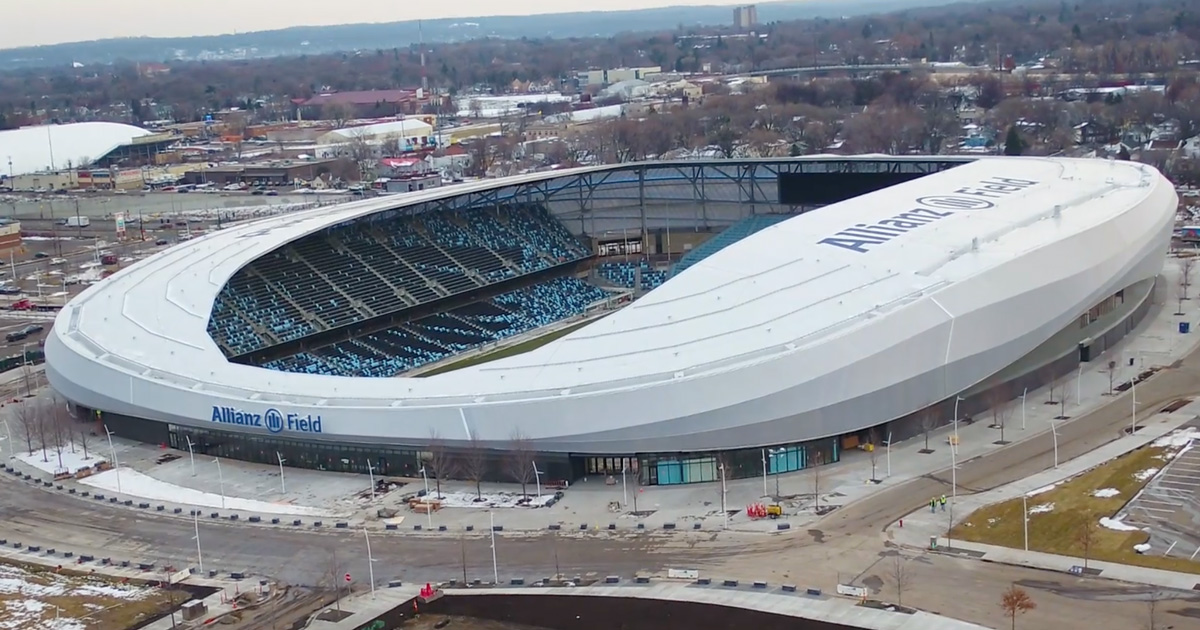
[{"x": 624, "y": 274}]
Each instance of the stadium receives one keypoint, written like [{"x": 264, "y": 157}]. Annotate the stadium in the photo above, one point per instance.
[{"x": 663, "y": 318}]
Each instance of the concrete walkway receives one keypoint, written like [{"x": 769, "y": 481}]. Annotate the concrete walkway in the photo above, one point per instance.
[{"x": 922, "y": 525}]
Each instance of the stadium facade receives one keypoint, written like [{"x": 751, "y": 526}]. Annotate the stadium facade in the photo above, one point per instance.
[{"x": 904, "y": 290}]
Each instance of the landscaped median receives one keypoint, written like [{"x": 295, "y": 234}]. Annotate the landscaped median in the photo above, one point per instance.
[{"x": 1075, "y": 517}]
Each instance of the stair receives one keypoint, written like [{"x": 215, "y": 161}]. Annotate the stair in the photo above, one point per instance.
[
  {"x": 312, "y": 318},
  {"x": 404, "y": 295},
  {"x": 357, "y": 304}
]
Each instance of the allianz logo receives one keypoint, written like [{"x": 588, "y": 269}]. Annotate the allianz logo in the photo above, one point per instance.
[{"x": 272, "y": 420}]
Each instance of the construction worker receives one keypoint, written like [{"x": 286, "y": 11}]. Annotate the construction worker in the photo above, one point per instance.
[
  {"x": 943, "y": 503},
  {"x": 933, "y": 504}
]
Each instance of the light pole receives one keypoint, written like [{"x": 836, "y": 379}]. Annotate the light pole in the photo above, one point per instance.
[
  {"x": 764, "y": 458},
  {"x": 282, "y": 484},
  {"x": 957, "y": 399},
  {"x": 425, "y": 478},
  {"x": 495, "y": 567},
  {"x": 220, "y": 480},
  {"x": 773, "y": 453},
  {"x": 1025, "y": 517},
  {"x": 116, "y": 464},
  {"x": 196, "y": 524},
  {"x": 624, "y": 488},
  {"x": 191, "y": 455},
  {"x": 370, "y": 562},
  {"x": 1078, "y": 386},
  {"x": 724, "y": 504},
  {"x": 371, "y": 476},
  {"x": 889, "y": 454},
  {"x": 1054, "y": 434},
  {"x": 1023, "y": 393},
  {"x": 1133, "y": 410},
  {"x": 537, "y": 476}
]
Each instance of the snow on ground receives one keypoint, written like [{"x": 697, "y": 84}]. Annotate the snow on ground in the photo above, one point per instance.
[
  {"x": 136, "y": 484},
  {"x": 1106, "y": 493},
  {"x": 1116, "y": 525},
  {"x": 71, "y": 461},
  {"x": 22, "y": 593},
  {"x": 1178, "y": 438},
  {"x": 491, "y": 500},
  {"x": 1041, "y": 490},
  {"x": 1142, "y": 548},
  {"x": 1041, "y": 509},
  {"x": 1143, "y": 475}
]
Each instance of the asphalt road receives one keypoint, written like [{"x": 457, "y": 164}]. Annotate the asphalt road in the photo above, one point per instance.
[{"x": 849, "y": 544}]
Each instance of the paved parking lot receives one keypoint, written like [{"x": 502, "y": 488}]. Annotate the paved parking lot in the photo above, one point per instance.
[{"x": 1170, "y": 506}]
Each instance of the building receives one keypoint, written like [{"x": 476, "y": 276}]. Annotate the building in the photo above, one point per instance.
[
  {"x": 358, "y": 104},
  {"x": 49, "y": 148},
  {"x": 907, "y": 288},
  {"x": 746, "y": 17},
  {"x": 268, "y": 173},
  {"x": 616, "y": 75},
  {"x": 378, "y": 140}
]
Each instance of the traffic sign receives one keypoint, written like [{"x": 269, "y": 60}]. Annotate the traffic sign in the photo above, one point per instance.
[{"x": 347, "y": 577}]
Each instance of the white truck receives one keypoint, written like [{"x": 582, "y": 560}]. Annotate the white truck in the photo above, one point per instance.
[{"x": 80, "y": 222}]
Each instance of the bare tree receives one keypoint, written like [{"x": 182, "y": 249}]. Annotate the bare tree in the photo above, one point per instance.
[
  {"x": 997, "y": 399},
  {"x": 900, "y": 576},
  {"x": 474, "y": 464},
  {"x": 929, "y": 421},
  {"x": 439, "y": 460},
  {"x": 1047, "y": 375},
  {"x": 873, "y": 452},
  {"x": 42, "y": 420},
  {"x": 1112, "y": 372},
  {"x": 333, "y": 573},
  {"x": 519, "y": 460},
  {"x": 339, "y": 113},
  {"x": 23, "y": 413},
  {"x": 1015, "y": 601},
  {"x": 59, "y": 430},
  {"x": 1185, "y": 275},
  {"x": 1085, "y": 535}
]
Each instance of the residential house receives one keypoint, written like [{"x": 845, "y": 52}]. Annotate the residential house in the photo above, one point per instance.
[{"x": 1092, "y": 132}]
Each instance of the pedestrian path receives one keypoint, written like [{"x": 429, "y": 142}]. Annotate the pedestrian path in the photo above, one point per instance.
[{"x": 923, "y": 527}]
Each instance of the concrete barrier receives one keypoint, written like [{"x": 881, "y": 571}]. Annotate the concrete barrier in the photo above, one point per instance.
[
  {"x": 517, "y": 582},
  {"x": 391, "y": 527},
  {"x": 555, "y": 527},
  {"x": 815, "y": 592},
  {"x": 789, "y": 588},
  {"x": 612, "y": 525},
  {"x": 642, "y": 579},
  {"x": 233, "y": 517},
  {"x": 417, "y": 528},
  {"x": 275, "y": 520},
  {"x": 612, "y": 579},
  {"x": 255, "y": 519},
  {"x": 668, "y": 525},
  {"x": 341, "y": 525},
  {"x": 730, "y": 583},
  {"x": 760, "y": 584},
  {"x": 696, "y": 525},
  {"x": 497, "y": 528},
  {"x": 34, "y": 548},
  {"x": 296, "y": 523},
  {"x": 783, "y": 526}
]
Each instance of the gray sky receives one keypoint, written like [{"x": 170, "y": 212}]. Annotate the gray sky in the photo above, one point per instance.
[{"x": 57, "y": 21}]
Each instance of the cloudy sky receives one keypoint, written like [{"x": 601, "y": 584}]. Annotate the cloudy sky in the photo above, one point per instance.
[{"x": 57, "y": 21}]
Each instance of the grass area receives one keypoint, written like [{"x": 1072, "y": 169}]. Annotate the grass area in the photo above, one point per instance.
[
  {"x": 1063, "y": 529},
  {"x": 32, "y": 597},
  {"x": 506, "y": 351}
]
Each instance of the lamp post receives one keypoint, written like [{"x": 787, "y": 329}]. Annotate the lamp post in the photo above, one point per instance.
[
  {"x": 1023, "y": 393},
  {"x": 1025, "y": 517},
  {"x": 191, "y": 455},
  {"x": 495, "y": 567},
  {"x": 957, "y": 399},
  {"x": 724, "y": 489},
  {"x": 889, "y": 454},
  {"x": 773, "y": 453},
  {"x": 624, "y": 488},
  {"x": 1133, "y": 410},
  {"x": 116, "y": 464},
  {"x": 537, "y": 476},
  {"x": 220, "y": 480},
  {"x": 1078, "y": 385},
  {"x": 196, "y": 524},
  {"x": 282, "y": 484},
  {"x": 371, "y": 476},
  {"x": 370, "y": 562},
  {"x": 1054, "y": 434},
  {"x": 764, "y": 462},
  {"x": 425, "y": 478}
]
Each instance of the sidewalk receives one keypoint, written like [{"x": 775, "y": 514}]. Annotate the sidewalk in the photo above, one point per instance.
[
  {"x": 921, "y": 526},
  {"x": 344, "y": 499}
]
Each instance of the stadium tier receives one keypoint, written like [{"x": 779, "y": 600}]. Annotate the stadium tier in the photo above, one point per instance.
[
  {"x": 435, "y": 337},
  {"x": 727, "y": 237},
  {"x": 349, "y": 274},
  {"x": 624, "y": 274}
]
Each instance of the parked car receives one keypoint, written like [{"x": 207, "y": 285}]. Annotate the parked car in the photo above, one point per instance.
[
  {"x": 15, "y": 335},
  {"x": 32, "y": 329}
]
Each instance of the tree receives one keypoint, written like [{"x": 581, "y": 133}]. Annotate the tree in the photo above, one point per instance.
[
  {"x": 82, "y": 431},
  {"x": 474, "y": 464},
  {"x": 59, "y": 430},
  {"x": 1015, "y": 601},
  {"x": 41, "y": 422},
  {"x": 997, "y": 400},
  {"x": 339, "y": 113},
  {"x": 1085, "y": 534},
  {"x": 1185, "y": 275},
  {"x": 1013, "y": 145},
  {"x": 519, "y": 460},
  {"x": 929, "y": 421},
  {"x": 900, "y": 576},
  {"x": 1048, "y": 376},
  {"x": 25, "y": 415},
  {"x": 815, "y": 459},
  {"x": 439, "y": 459},
  {"x": 333, "y": 573},
  {"x": 873, "y": 452}
]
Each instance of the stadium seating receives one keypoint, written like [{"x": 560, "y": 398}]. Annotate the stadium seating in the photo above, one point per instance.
[
  {"x": 727, "y": 237},
  {"x": 624, "y": 274},
  {"x": 438, "y": 336},
  {"x": 356, "y": 272}
]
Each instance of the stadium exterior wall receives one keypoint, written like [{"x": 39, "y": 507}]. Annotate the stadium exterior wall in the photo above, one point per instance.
[{"x": 973, "y": 330}]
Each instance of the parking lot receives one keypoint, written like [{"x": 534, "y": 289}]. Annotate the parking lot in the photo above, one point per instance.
[{"x": 1169, "y": 506}]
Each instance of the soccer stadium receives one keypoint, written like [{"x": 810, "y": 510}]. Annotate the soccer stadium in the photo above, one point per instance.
[{"x": 664, "y": 318}]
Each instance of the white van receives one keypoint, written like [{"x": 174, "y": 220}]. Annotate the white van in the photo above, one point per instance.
[{"x": 78, "y": 222}]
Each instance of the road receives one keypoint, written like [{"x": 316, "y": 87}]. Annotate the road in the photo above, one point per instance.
[{"x": 848, "y": 545}]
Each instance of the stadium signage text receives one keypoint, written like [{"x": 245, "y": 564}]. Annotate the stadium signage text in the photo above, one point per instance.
[
  {"x": 862, "y": 237},
  {"x": 273, "y": 420}
]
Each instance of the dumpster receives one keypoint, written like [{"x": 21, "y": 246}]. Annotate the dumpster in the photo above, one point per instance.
[{"x": 1185, "y": 327}]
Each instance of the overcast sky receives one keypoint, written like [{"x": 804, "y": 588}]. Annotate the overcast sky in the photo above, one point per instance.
[{"x": 57, "y": 21}]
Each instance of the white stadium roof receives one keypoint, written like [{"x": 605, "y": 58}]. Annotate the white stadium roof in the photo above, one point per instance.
[
  {"x": 793, "y": 285},
  {"x": 46, "y": 147}
]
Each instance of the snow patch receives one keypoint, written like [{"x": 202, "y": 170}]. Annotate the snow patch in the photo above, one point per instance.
[
  {"x": 1041, "y": 509},
  {"x": 136, "y": 484},
  {"x": 1106, "y": 493},
  {"x": 1143, "y": 475},
  {"x": 25, "y": 590},
  {"x": 490, "y": 500},
  {"x": 1116, "y": 525},
  {"x": 72, "y": 459},
  {"x": 1178, "y": 438},
  {"x": 1041, "y": 490},
  {"x": 1142, "y": 548}
]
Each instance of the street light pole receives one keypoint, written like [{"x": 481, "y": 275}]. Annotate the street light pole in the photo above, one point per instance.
[
  {"x": 116, "y": 464},
  {"x": 282, "y": 483},
  {"x": 371, "y": 475},
  {"x": 196, "y": 524},
  {"x": 724, "y": 503},
  {"x": 537, "y": 476},
  {"x": 495, "y": 567},
  {"x": 220, "y": 480},
  {"x": 624, "y": 488},
  {"x": 957, "y": 399},
  {"x": 370, "y": 562},
  {"x": 1133, "y": 411},
  {"x": 1025, "y": 517},
  {"x": 191, "y": 455},
  {"x": 1054, "y": 433},
  {"x": 889, "y": 454},
  {"x": 764, "y": 458},
  {"x": 1023, "y": 393},
  {"x": 1078, "y": 385}
]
